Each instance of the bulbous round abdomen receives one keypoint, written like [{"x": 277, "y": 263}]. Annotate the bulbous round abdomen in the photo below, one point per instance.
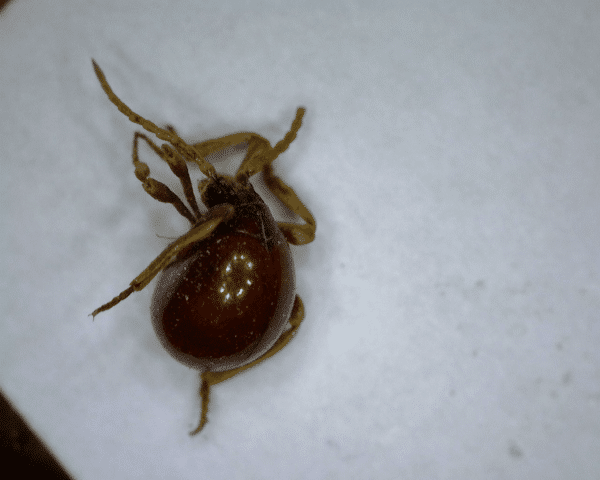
[{"x": 227, "y": 302}]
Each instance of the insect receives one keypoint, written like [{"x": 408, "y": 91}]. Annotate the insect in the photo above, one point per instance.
[{"x": 225, "y": 300}]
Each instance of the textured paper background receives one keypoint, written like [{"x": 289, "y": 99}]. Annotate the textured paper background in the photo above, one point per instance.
[{"x": 451, "y": 155}]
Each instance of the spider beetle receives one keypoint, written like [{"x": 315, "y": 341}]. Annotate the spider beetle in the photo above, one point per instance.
[{"x": 227, "y": 291}]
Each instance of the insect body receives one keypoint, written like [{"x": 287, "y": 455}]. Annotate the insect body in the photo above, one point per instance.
[{"x": 226, "y": 293}]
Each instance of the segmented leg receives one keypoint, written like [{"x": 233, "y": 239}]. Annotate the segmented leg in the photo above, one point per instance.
[
  {"x": 210, "y": 221},
  {"x": 293, "y": 233},
  {"x": 260, "y": 153},
  {"x": 188, "y": 152},
  {"x": 177, "y": 166},
  {"x": 214, "y": 145},
  {"x": 208, "y": 379}
]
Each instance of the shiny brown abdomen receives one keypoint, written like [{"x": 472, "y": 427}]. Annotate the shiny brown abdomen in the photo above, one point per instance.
[{"x": 229, "y": 299}]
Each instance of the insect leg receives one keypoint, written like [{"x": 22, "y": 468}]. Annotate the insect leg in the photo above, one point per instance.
[
  {"x": 294, "y": 233},
  {"x": 158, "y": 190},
  {"x": 185, "y": 150},
  {"x": 208, "y": 379},
  {"x": 260, "y": 153},
  {"x": 212, "y": 219}
]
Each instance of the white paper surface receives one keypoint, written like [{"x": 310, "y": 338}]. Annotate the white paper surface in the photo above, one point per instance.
[{"x": 451, "y": 156}]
